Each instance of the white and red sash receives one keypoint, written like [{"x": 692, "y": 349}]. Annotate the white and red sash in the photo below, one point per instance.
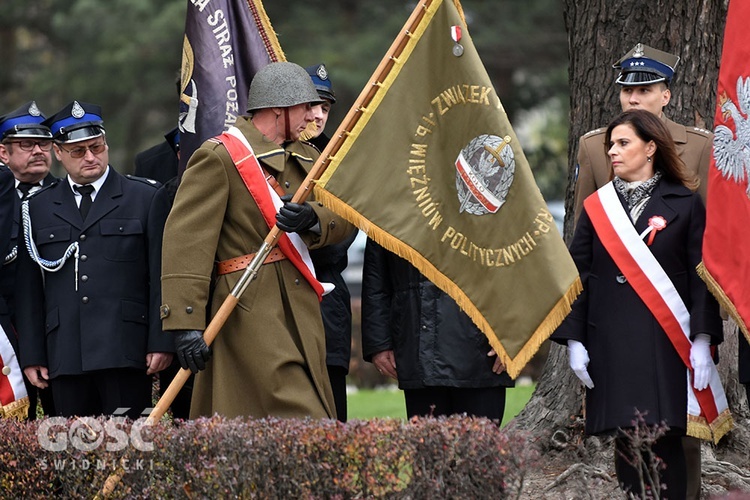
[
  {"x": 708, "y": 412},
  {"x": 14, "y": 402},
  {"x": 269, "y": 203}
]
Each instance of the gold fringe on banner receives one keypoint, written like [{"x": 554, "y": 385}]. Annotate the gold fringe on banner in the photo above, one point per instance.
[
  {"x": 722, "y": 298},
  {"x": 512, "y": 365},
  {"x": 18, "y": 409},
  {"x": 347, "y": 134},
  {"x": 270, "y": 40}
]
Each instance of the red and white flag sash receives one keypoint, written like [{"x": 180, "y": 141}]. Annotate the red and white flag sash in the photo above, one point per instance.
[
  {"x": 14, "y": 402},
  {"x": 269, "y": 203},
  {"x": 708, "y": 411}
]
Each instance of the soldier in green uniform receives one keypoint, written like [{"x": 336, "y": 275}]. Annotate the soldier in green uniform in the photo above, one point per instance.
[
  {"x": 645, "y": 74},
  {"x": 270, "y": 357}
]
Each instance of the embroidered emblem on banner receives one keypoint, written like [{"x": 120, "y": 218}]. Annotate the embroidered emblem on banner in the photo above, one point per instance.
[
  {"x": 485, "y": 170},
  {"x": 188, "y": 96},
  {"x": 732, "y": 144}
]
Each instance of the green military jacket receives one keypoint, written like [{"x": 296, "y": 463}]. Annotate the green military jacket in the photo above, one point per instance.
[
  {"x": 269, "y": 358},
  {"x": 693, "y": 144}
]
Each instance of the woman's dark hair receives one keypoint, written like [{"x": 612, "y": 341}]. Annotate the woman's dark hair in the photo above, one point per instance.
[{"x": 649, "y": 127}]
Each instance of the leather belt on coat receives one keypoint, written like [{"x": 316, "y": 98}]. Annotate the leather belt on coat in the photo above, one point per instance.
[{"x": 241, "y": 262}]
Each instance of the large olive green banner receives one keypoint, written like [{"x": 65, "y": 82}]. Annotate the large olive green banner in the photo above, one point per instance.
[{"x": 433, "y": 171}]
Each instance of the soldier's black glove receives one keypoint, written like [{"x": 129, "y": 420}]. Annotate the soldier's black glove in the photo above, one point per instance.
[
  {"x": 295, "y": 217},
  {"x": 192, "y": 351}
]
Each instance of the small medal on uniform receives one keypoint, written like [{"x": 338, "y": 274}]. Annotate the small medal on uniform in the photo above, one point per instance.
[{"x": 458, "y": 49}]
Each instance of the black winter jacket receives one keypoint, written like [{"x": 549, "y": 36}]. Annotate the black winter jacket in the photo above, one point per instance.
[
  {"x": 434, "y": 342},
  {"x": 330, "y": 261}
]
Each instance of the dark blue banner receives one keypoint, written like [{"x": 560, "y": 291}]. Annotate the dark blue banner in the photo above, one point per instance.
[{"x": 226, "y": 43}]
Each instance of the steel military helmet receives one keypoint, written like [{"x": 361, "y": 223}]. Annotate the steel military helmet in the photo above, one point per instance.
[{"x": 281, "y": 85}]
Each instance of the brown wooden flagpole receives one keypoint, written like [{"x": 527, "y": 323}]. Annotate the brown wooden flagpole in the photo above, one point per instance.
[{"x": 251, "y": 272}]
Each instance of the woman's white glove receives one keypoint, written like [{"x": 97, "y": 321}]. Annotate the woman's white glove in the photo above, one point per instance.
[
  {"x": 579, "y": 360},
  {"x": 700, "y": 358}
]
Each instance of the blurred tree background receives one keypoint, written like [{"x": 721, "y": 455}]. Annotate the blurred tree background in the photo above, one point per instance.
[
  {"x": 124, "y": 55},
  {"x": 121, "y": 54}
]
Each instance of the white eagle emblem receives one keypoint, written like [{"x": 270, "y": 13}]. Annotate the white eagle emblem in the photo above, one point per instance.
[
  {"x": 732, "y": 147},
  {"x": 485, "y": 170}
]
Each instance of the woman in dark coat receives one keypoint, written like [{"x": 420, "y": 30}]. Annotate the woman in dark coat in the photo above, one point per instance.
[
  {"x": 634, "y": 366},
  {"x": 414, "y": 332}
]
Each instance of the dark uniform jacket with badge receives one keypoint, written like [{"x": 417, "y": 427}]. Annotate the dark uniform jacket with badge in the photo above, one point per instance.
[
  {"x": 269, "y": 358},
  {"x": 8, "y": 271},
  {"x": 434, "y": 342},
  {"x": 694, "y": 146},
  {"x": 7, "y": 193},
  {"x": 112, "y": 320},
  {"x": 7, "y": 207},
  {"x": 634, "y": 365}
]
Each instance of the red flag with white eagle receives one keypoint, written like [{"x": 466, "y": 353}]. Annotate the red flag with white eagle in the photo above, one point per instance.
[{"x": 726, "y": 265}]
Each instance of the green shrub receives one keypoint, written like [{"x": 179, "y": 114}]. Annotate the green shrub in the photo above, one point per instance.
[{"x": 264, "y": 458}]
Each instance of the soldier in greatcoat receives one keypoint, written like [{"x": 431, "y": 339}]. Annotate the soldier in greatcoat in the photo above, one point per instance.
[{"x": 269, "y": 359}]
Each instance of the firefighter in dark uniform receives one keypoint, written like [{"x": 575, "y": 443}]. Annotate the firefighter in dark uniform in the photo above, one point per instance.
[
  {"x": 25, "y": 148},
  {"x": 92, "y": 258},
  {"x": 644, "y": 77}
]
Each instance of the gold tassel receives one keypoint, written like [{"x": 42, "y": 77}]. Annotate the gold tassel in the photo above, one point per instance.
[
  {"x": 722, "y": 425},
  {"x": 699, "y": 430},
  {"x": 310, "y": 132}
]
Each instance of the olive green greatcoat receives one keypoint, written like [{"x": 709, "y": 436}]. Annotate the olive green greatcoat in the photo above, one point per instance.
[
  {"x": 269, "y": 358},
  {"x": 694, "y": 145}
]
